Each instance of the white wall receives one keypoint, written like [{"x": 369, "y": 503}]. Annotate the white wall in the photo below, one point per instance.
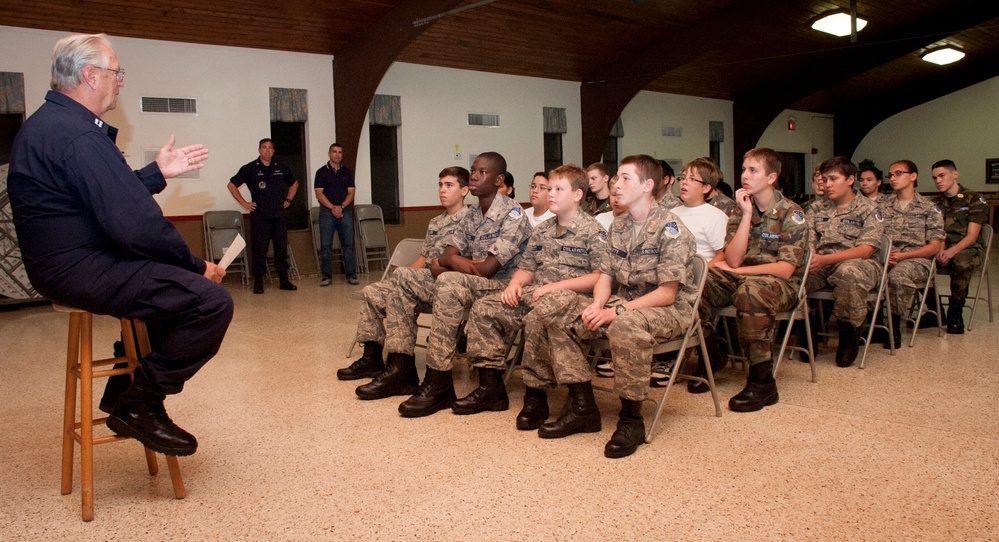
[
  {"x": 647, "y": 113},
  {"x": 435, "y": 106},
  {"x": 962, "y": 126},
  {"x": 230, "y": 84},
  {"x": 813, "y": 131}
]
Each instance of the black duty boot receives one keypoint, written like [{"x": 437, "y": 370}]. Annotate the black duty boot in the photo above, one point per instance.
[
  {"x": 490, "y": 395},
  {"x": 284, "y": 283},
  {"x": 955, "y": 317},
  {"x": 760, "y": 390},
  {"x": 580, "y": 414},
  {"x": 435, "y": 393},
  {"x": 929, "y": 320},
  {"x": 896, "y": 332},
  {"x": 399, "y": 378},
  {"x": 369, "y": 365},
  {"x": 846, "y": 351},
  {"x": 719, "y": 359},
  {"x": 139, "y": 414},
  {"x": 258, "y": 284},
  {"x": 535, "y": 411},
  {"x": 630, "y": 432},
  {"x": 879, "y": 336}
]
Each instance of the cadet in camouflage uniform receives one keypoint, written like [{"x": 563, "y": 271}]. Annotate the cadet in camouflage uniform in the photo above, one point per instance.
[
  {"x": 479, "y": 259},
  {"x": 723, "y": 202},
  {"x": 871, "y": 180},
  {"x": 649, "y": 253},
  {"x": 819, "y": 189},
  {"x": 846, "y": 233},
  {"x": 665, "y": 195},
  {"x": 452, "y": 189},
  {"x": 563, "y": 253},
  {"x": 598, "y": 198},
  {"x": 915, "y": 226},
  {"x": 415, "y": 286},
  {"x": 965, "y": 211},
  {"x": 758, "y": 272}
]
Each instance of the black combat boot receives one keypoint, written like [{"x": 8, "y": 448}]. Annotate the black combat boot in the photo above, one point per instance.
[
  {"x": 719, "y": 359},
  {"x": 369, "y": 365},
  {"x": 580, "y": 414},
  {"x": 955, "y": 317},
  {"x": 849, "y": 339},
  {"x": 139, "y": 414},
  {"x": 535, "y": 411},
  {"x": 896, "y": 332},
  {"x": 258, "y": 284},
  {"x": 490, "y": 395},
  {"x": 284, "y": 283},
  {"x": 399, "y": 378},
  {"x": 435, "y": 393},
  {"x": 928, "y": 320},
  {"x": 760, "y": 390},
  {"x": 880, "y": 336},
  {"x": 630, "y": 432}
]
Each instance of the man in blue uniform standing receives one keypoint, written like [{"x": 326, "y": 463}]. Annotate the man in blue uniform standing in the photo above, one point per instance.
[
  {"x": 272, "y": 187},
  {"x": 93, "y": 238},
  {"x": 335, "y": 194}
]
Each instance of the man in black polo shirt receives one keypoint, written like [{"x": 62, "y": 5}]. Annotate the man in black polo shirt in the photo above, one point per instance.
[
  {"x": 335, "y": 194},
  {"x": 272, "y": 187}
]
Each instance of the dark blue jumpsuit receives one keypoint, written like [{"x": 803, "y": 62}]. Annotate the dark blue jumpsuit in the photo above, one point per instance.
[
  {"x": 92, "y": 237},
  {"x": 268, "y": 189}
]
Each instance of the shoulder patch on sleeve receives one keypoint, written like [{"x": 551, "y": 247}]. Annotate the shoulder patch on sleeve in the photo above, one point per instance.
[
  {"x": 603, "y": 236},
  {"x": 515, "y": 212},
  {"x": 672, "y": 230},
  {"x": 798, "y": 217}
]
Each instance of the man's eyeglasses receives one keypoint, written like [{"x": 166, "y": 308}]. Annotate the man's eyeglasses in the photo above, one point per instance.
[
  {"x": 538, "y": 187},
  {"x": 898, "y": 173},
  {"x": 692, "y": 179},
  {"x": 119, "y": 73}
]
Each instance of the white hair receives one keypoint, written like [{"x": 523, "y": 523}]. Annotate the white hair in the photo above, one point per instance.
[{"x": 73, "y": 53}]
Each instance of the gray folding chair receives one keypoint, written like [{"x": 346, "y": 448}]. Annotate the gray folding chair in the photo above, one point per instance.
[
  {"x": 221, "y": 227},
  {"x": 983, "y": 278},
  {"x": 799, "y": 312},
  {"x": 691, "y": 337},
  {"x": 317, "y": 244},
  {"x": 878, "y": 296},
  {"x": 374, "y": 241},
  {"x": 923, "y": 309}
]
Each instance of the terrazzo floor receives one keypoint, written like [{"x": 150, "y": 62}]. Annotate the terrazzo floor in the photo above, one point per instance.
[{"x": 905, "y": 449}]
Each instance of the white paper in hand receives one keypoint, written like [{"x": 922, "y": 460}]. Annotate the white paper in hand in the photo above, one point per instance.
[{"x": 237, "y": 246}]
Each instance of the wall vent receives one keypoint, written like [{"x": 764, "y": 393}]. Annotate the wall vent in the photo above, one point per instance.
[
  {"x": 672, "y": 131},
  {"x": 482, "y": 119},
  {"x": 180, "y": 106}
]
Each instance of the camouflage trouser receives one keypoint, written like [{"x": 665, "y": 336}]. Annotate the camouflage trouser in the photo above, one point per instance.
[
  {"x": 904, "y": 278},
  {"x": 454, "y": 295},
  {"x": 491, "y": 326},
  {"x": 961, "y": 267},
  {"x": 851, "y": 281},
  {"x": 552, "y": 351},
  {"x": 757, "y": 300},
  {"x": 375, "y": 296},
  {"x": 412, "y": 289},
  {"x": 632, "y": 336}
]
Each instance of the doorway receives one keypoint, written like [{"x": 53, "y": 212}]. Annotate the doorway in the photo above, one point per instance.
[
  {"x": 792, "y": 176},
  {"x": 289, "y": 149},
  {"x": 385, "y": 171}
]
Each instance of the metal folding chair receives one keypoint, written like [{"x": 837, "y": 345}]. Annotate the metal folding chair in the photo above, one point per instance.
[
  {"x": 691, "y": 337},
  {"x": 923, "y": 309},
  {"x": 371, "y": 228},
  {"x": 983, "y": 278},
  {"x": 221, "y": 227}
]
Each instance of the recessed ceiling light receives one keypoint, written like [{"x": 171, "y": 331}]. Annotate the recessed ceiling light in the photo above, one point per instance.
[
  {"x": 943, "y": 55},
  {"x": 837, "y": 23}
]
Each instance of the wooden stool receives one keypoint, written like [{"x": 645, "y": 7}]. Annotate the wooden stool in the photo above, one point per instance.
[{"x": 80, "y": 367}]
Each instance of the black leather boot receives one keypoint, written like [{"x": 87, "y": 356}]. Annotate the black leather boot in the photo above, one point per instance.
[
  {"x": 580, "y": 414},
  {"x": 369, "y": 365},
  {"x": 284, "y": 283},
  {"x": 258, "y": 284},
  {"x": 719, "y": 359},
  {"x": 928, "y": 320},
  {"x": 896, "y": 332},
  {"x": 630, "y": 432},
  {"x": 846, "y": 351},
  {"x": 535, "y": 411},
  {"x": 139, "y": 414},
  {"x": 435, "y": 393},
  {"x": 760, "y": 390},
  {"x": 879, "y": 336},
  {"x": 955, "y": 317},
  {"x": 399, "y": 378},
  {"x": 490, "y": 395}
]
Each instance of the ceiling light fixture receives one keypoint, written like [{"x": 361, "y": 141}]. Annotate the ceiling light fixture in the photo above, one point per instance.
[
  {"x": 837, "y": 23},
  {"x": 943, "y": 55}
]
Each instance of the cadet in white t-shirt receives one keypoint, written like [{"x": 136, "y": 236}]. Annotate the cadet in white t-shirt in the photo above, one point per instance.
[{"x": 705, "y": 221}]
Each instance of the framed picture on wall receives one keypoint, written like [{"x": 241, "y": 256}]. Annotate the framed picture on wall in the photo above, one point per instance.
[{"x": 992, "y": 171}]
